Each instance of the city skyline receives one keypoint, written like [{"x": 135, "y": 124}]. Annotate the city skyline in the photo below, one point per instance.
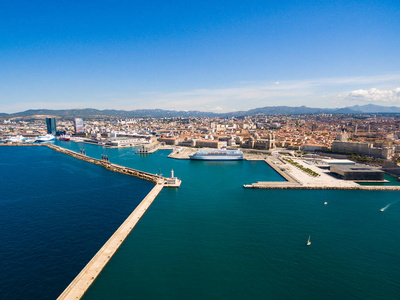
[{"x": 215, "y": 56}]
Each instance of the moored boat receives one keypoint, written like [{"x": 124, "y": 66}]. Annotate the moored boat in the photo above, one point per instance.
[
  {"x": 65, "y": 137},
  {"x": 45, "y": 138},
  {"x": 15, "y": 139},
  {"x": 221, "y": 154}
]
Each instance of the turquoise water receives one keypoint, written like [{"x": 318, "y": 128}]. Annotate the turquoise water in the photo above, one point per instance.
[
  {"x": 213, "y": 239},
  {"x": 391, "y": 180}
]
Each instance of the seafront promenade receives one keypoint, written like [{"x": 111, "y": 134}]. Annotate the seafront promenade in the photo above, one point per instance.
[{"x": 86, "y": 277}]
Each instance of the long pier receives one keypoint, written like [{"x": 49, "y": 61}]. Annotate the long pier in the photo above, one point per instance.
[{"x": 86, "y": 277}]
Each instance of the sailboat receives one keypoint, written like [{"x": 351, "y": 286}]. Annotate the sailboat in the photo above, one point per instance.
[{"x": 309, "y": 241}]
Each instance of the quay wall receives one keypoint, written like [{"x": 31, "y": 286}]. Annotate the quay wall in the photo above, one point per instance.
[
  {"x": 87, "y": 276},
  {"x": 280, "y": 186}
]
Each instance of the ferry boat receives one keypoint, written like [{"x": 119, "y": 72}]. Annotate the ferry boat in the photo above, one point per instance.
[
  {"x": 45, "y": 138},
  {"x": 221, "y": 154},
  {"x": 15, "y": 139},
  {"x": 65, "y": 137}
]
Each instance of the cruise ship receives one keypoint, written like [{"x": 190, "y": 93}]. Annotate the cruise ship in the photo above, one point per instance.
[
  {"x": 15, "y": 139},
  {"x": 45, "y": 138},
  {"x": 221, "y": 154}
]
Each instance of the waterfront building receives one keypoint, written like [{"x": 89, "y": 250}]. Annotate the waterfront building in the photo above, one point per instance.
[
  {"x": 358, "y": 173},
  {"x": 79, "y": 128},
  {"x": 125, "y": 142},
  {"x": 51, "y": 126},
  {"x": 363, "y": 149},
  {"x": 169, "y": 141},
  {"x": 338, "y": 162},
  {"x": 210, "y": 144}
]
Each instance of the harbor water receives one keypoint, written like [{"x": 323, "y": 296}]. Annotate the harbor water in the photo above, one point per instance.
[
  {"x": 209, "y": 239},
  {"x": 55, "y": 214}
]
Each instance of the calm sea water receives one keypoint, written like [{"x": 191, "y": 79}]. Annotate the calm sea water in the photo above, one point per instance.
[
  {"x": 213, "y": 239},
  {"x": 55, "y": 213}
]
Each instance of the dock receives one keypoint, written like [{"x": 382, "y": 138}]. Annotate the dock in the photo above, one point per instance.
[
  {"x": 148, "y": 149},
  {"x": 299, "y": 180}
]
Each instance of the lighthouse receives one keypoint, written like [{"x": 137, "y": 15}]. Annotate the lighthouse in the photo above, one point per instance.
[{"x": 173, "y": 181}]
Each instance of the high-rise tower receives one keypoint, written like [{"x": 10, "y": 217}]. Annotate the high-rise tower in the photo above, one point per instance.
[{"x": 51, "y": 125}]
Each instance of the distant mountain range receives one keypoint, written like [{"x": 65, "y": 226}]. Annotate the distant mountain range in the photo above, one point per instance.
[{"x": 159, "y": 113}]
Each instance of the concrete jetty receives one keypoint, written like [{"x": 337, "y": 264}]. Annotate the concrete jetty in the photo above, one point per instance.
[
  {"x": 288, "y": 186},
  {"x": 182, "y": 152},
  {"x": 86, "y": 277},
  {"x": 298, "y": 179}
]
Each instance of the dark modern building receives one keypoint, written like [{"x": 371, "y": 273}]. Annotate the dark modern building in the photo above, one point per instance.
[
  {"x": 51, "y": 125},
  {"x": 358, "y": 173}
]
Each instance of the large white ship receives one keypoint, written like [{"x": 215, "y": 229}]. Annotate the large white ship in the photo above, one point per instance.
[
  {"x": 45, "y": 138},
  {"x": 15, "y": 139},
  {"x": 221, "y": 154}
]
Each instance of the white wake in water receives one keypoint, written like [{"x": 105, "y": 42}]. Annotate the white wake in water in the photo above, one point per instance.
[{"x": 386, "y": 207}]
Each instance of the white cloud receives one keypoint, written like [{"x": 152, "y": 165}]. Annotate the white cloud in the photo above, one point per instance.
[
  {"x": 320, "y": 92},
  {"x": 374, "y": 95}
]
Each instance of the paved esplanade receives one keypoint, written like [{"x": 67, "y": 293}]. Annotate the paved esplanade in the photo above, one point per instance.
[{"x": 86, "y": 277}]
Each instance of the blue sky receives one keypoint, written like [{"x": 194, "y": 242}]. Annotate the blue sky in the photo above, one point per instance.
[{"x": 198, "y": 55}]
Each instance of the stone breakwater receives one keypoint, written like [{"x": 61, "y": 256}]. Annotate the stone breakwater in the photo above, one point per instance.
[
  {"x": 106, "y": 164},
  {"x": 110, "y": 166}
]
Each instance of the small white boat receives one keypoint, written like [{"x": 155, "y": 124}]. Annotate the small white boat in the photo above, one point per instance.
[
  {"x": 384, "y": 208},
  {"x": 309, "y": 241},
  {"x": 325, "y": 203}
]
